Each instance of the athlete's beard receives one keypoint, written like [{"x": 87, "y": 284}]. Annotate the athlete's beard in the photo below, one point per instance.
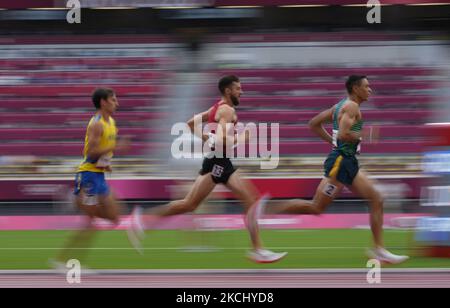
[{"x": 234, "y": 100}]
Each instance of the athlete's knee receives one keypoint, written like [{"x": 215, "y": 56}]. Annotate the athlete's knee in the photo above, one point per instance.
[
  {"x": 89, "y": 211},
  {"x": 249, "y": 202},
  {"x": 189, "y": 205},
  {"x": 316, "y": 209},
  {"x": 377, "y": 199}
]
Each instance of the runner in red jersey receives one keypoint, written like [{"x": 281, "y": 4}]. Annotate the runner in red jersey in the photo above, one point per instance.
[{"x": 217, "y": 168}]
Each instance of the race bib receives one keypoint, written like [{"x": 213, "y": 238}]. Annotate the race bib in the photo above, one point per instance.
[{"x": 329, "y": 190}]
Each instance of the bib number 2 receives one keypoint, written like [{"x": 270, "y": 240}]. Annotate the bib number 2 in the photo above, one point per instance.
[{"x": 330, "y": 190}]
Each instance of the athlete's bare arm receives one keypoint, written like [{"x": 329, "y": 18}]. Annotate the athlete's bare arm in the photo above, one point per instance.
[
  {"x": 349, "y": 116},
  {"x": 199, "y": 118},
  {"x": 225, "y": 130},
  {"x": 94, "y": 133},
  {"x": 316, "y": 124}
]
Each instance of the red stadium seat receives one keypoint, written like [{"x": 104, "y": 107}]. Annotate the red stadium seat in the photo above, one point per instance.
[
  {"x": 296, "y": 117},
  {"x": 283, "y": 74},
  {"x": 67, "y": 103},
  {"x": 9, "y": 134},
  {"x": 334, "y": 86},
  {"x": 327, "y": 101},
  {"x": 74, "y": 90},
  {"x": 56, "y": 119}
]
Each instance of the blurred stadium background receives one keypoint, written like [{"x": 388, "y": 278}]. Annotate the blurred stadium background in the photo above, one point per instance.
[{"x": 163, "y": 58}]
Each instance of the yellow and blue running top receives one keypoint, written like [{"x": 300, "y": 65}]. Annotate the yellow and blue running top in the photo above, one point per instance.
[{"x": 107, "y": 139}]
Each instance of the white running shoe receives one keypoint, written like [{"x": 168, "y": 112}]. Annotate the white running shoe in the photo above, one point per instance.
[
  {"x": 265, "y": 256},
  {"x": 135, "y": 230},
  {"x": 383, "y": 255}
]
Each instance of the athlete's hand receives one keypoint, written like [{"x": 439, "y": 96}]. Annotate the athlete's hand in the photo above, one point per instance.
[
  {"x": 211, "y": 140},
  {"x": 108, "y": 169}
]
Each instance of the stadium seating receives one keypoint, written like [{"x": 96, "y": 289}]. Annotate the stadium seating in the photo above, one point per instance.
[{"x": 45, "y": 102}]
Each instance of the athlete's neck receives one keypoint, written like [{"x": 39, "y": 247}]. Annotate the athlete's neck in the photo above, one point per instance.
[
  {"x": 355, "y": 99},
  {"x": 105, "y": 115},
  {"x": 227, "y": 101}
]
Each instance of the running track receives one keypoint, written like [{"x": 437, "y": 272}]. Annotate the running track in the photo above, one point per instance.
[{"x": 412, "y": 278}]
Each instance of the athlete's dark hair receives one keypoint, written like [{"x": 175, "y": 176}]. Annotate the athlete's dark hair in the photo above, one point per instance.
[
  {"x": 101, "y": 93},
  {"x": 226, "y": 81},
  {"x": 353, "y": 80}
]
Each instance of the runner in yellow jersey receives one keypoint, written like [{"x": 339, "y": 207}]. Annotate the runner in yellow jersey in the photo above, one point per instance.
[
  {"x": 93, "y": 196},
  {"x": 92, "y": 193}
]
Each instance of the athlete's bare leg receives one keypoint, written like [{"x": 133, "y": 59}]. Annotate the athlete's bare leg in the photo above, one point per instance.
[
  {"x": 326, "y": 192},
  {"x": 108, "y": 208},
  {"x": 77, "y": 246},
  {"x": 365, "y": 187},
  {"x": 74, "y": 247},
  {"x": 247, "y": 193},
  {"x": 201, "y": 188}
]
